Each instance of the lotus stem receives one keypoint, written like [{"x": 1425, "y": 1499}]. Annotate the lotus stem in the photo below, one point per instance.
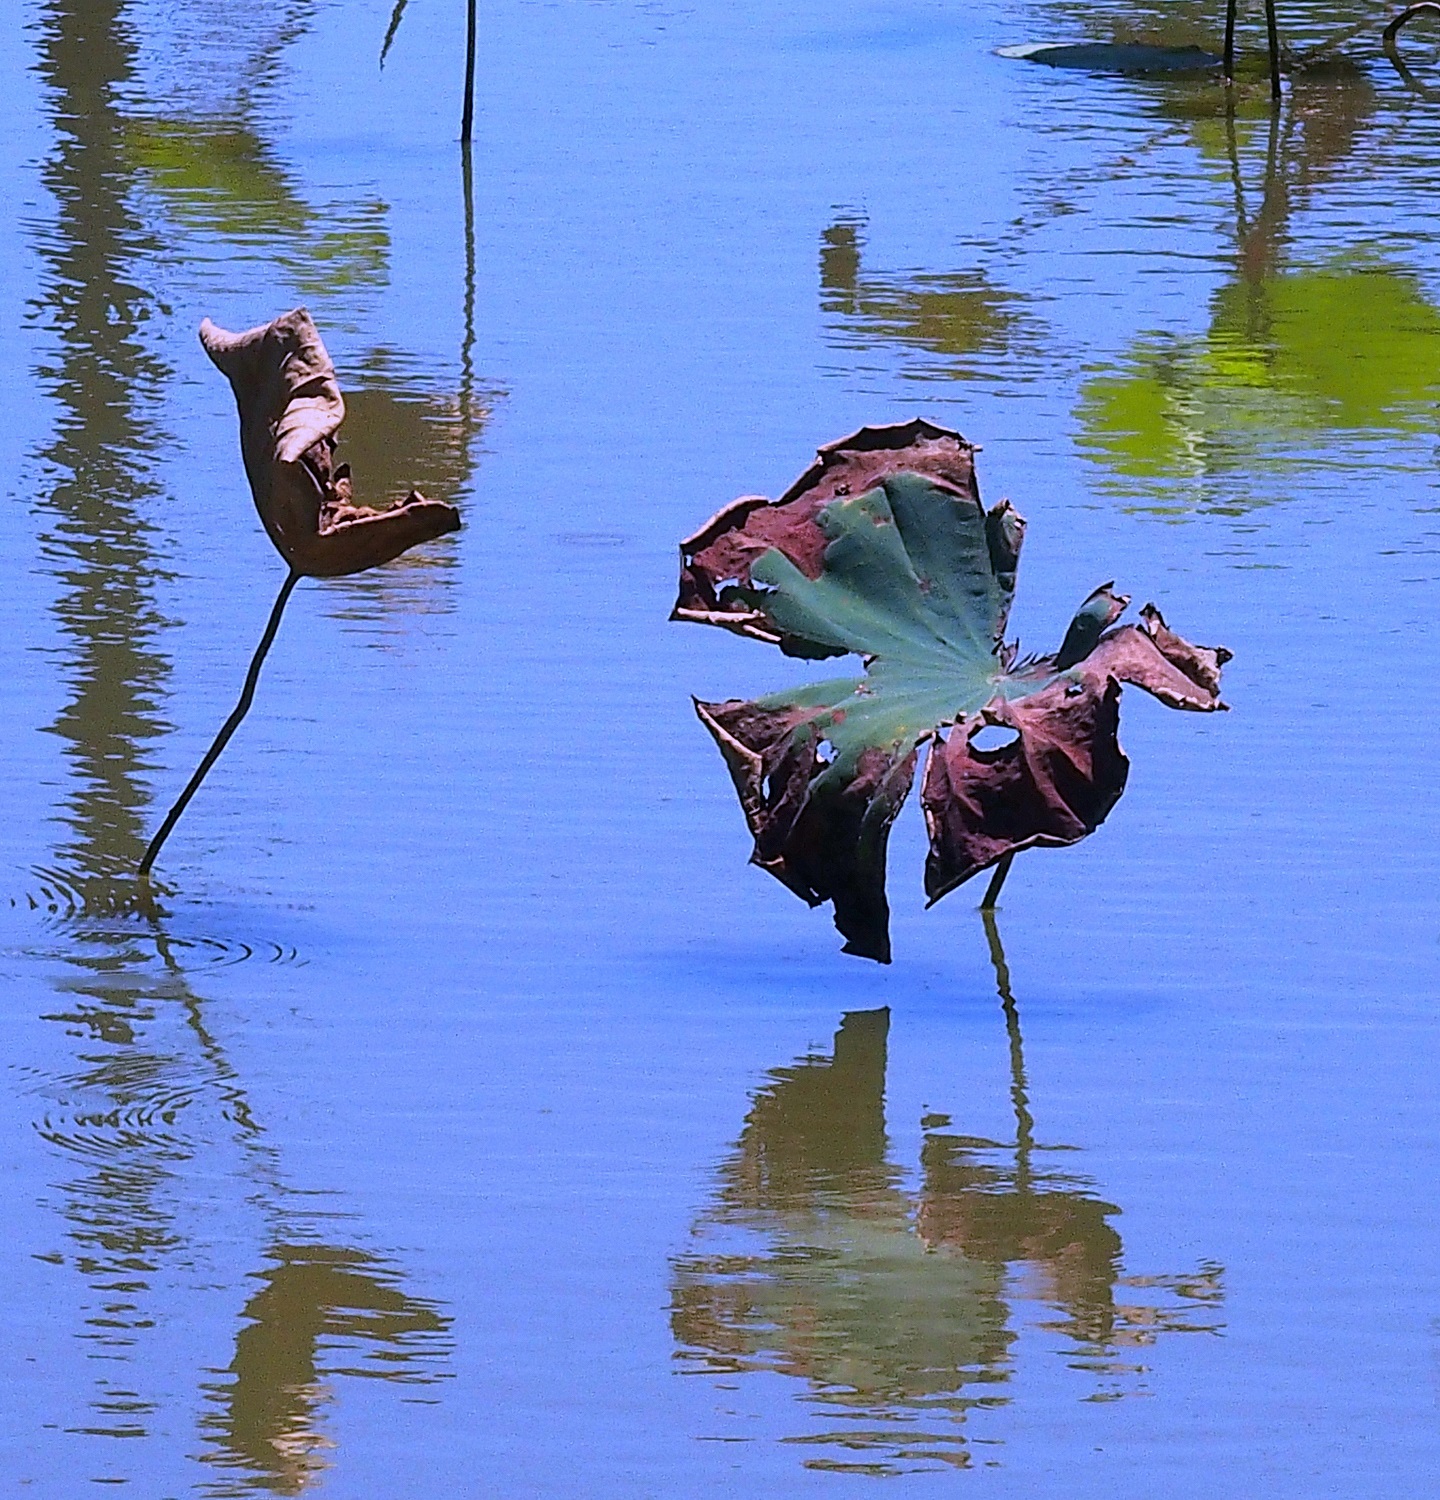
[
  {"x": 1229, "y": 63},
  {"x": 467, "y": 339},
  {"x": 247, "y": 696},
  {"x": 992, "y": 894},
  {"x": 467, "y": 119}
]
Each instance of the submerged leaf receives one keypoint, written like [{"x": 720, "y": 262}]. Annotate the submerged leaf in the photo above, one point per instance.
[
  {"x": 290, "y": 409},
  {"x": 883, "y": 549}
]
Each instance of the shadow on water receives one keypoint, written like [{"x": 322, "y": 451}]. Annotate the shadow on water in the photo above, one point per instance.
[{"x": 895, "y": 1297}]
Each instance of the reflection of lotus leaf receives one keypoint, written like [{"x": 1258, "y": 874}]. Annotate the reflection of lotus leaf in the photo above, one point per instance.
[
  {"x": 895, "y": 1302},
  {"x": 855, "y": 1304},
  {"x": 1340, "y": 348},
  {"x": 314, "y": 1303}
]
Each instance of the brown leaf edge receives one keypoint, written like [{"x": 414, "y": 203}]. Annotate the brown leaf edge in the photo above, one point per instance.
[
  {"x": 290, "y": 409},
  {"x": 1058, "y": 778},
  {"x": 716, "y": 560},
  {"x": 826, "y": 842}
]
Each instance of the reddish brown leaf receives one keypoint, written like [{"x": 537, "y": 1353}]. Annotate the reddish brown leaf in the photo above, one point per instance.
[
  {"x": 883, "y": 549},
  {"x": 718, "y": 557}
]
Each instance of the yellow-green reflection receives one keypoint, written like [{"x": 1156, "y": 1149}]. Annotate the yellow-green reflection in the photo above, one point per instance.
[
  {"x": 961, "y": 316},
  {"x": 217, "y": 178},
  {"x": 318, "y": 1310},
  {"x": 1345, "y": 345},
  {"x": 1350, "y": 345},
  {"x": 895, "y": 1297}
]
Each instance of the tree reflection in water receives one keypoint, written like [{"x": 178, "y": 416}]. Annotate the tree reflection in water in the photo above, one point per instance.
[
  {"x": 1295, "y": 347},
  {"x": 961, "y": 317},
  {"x": 895, "y": 1299}
]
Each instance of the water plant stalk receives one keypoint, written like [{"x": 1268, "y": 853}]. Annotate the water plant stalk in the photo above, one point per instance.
[
  {"x": 1272, "y": 37},
  {"x": 992, "y": 893},
  {"x": 468, "y": 118},
  {"x": 247, "y": 696}
]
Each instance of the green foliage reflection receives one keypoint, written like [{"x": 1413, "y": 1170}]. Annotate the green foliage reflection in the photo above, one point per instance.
[
  {"x": 1343, "y": 347},
  {"x": 959, "y": 316},
  {"x": 217, "y": 177}
]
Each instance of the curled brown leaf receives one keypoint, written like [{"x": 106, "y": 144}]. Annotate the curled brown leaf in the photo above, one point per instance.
[{"x": 290, "y": 410}]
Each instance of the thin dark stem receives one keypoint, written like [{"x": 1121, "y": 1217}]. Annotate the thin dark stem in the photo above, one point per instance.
[
  {"x": 1273, "y": 38},
  {"x": 247, "y": 696},
  {"x": 468, "y": 118},
  {"x": 1019, "y": 1094},
  {"x": 1229, "y": 68},
  {"x": 992, "y": 894},
  {"x": 1421, "y": 8}
]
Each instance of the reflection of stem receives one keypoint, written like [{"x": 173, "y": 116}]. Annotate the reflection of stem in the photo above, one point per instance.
[
  {"x": 1232, "y": 146},
  {"x": 467, "y": 343},
  {"x": 1272, "y": 154},
  {"x": 1019, "y": 1097},
  {"x": 992, "y": 892},
  {"x": 1392, "y": 49},
  {"x": 266, "y": 1168},
  {"x": 229, "y": 727},
  {"x": 468, "y": 118}
]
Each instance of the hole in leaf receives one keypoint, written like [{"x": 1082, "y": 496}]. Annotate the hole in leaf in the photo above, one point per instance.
[{"x": 993, "y": 737}]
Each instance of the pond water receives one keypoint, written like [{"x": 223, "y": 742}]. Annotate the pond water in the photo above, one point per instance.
[{"x": 469, "y": 1117}]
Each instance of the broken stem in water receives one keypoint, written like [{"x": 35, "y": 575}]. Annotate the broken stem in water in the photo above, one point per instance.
[
  {"x": 247, "y": 696},
  {"x": 992, "y": 894}
]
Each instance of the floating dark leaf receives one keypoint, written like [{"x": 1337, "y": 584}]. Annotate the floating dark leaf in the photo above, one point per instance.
[{"x": 1115, "y": 57}]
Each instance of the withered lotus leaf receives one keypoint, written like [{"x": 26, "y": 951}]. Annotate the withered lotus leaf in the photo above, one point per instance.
[
  {"x": 884, "y": 550},
  {"x": 290, "y": 409}
]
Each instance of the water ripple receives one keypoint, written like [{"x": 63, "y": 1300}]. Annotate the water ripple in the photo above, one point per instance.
[{"x": 100, "y": 909}]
